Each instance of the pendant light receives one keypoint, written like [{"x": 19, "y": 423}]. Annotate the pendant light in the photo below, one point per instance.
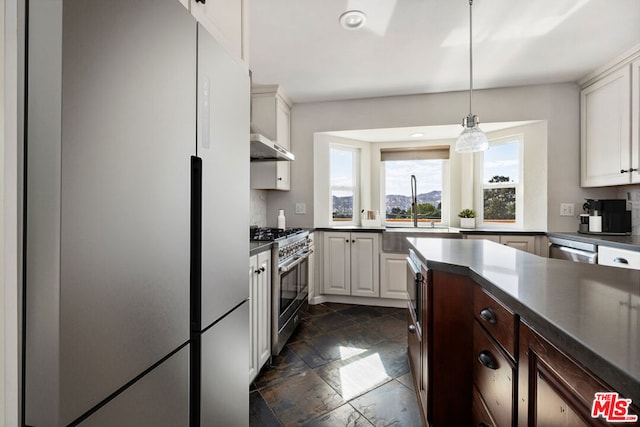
[{"x": 472, "y": 138}]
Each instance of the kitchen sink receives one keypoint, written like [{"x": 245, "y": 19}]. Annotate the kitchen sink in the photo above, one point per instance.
[{"x": 394, "y": 239}]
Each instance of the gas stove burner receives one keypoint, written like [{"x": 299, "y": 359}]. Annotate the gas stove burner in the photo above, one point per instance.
[{"x": 271, "y": 234}]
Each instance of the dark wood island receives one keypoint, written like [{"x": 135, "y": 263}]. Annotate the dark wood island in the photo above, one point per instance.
[{"x": 507, "y": 338}]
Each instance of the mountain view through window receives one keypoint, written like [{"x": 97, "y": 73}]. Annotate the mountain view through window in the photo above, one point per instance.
[{"x": 398, "y": 190}]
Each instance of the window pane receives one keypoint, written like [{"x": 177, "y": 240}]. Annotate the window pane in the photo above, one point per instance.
[
  {"x": 341, "y": 167},
  {"x": 342, "y": 205},
  {"x": 398, "y": 189},
  {"x": 500, "y": 204},
  {"x": 502, "y": 163}
]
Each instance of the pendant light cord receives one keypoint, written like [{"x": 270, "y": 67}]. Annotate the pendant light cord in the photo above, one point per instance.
[{"x": 470, "y": 57}]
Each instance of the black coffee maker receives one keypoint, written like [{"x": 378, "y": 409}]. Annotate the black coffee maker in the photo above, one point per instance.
[{"x": 616, "y": 219}]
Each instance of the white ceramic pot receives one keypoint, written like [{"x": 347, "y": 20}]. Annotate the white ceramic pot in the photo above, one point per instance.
[{"x": 467, "y": 223}]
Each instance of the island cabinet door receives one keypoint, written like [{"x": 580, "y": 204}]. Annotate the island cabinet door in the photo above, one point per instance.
[
  {"x": 448, "y": 335},
  {"x": 553, "y": 390}
]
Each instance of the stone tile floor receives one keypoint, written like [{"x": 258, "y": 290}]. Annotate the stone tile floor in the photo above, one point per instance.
[{"x": 346, "y": 365}]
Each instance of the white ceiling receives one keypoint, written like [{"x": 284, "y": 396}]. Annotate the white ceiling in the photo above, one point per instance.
[{"x": 422, "y": 46}]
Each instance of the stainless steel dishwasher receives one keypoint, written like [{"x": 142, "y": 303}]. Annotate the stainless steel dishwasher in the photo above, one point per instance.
[{"x": 571, "y": 250}]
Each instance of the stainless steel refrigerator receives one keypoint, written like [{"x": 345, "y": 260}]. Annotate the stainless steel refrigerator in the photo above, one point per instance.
[{"x": 137, "y": 182}]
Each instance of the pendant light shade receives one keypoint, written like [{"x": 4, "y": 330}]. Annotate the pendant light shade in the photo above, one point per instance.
[{"x": 472, "y": 138}]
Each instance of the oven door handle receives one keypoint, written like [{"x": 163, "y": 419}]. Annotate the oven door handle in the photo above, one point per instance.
[
  {"x": 415, "y": 270},
  {"x": 287, "y": 267}
]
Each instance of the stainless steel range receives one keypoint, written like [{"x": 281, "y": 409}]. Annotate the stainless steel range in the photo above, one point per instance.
[{"x": 290, "y": 281}]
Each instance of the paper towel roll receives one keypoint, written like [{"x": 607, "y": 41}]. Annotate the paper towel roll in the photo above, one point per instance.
[{"x": 595, "y": 224}]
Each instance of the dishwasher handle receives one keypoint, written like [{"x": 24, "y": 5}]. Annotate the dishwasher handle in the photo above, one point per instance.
[{"x": 572, "y": 254}]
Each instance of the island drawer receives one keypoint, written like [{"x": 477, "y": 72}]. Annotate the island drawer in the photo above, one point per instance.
[
  {"x": 480, "y": 415},
  {"x": 498, "y": 320},
  {"x": 493, "y": 375}
]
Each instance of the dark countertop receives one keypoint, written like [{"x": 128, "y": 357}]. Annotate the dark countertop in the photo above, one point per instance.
[
  {"x": 631, "y": 243},
  {"x": 354, "y": 228},
  {"x": 438, "y": 229},
  {"x": 588, "y": 311},
  {"x": 257, "y": 247},
  {"x": 502, "y": 232}
]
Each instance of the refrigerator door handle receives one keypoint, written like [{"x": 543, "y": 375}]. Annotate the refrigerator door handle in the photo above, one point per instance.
[{"x": 195, "y": 278}]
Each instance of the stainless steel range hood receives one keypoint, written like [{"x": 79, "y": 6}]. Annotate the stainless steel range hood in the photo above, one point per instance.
[{"x": 264, "y": 150}]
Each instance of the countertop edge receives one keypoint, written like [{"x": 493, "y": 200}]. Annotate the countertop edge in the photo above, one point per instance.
[{"x": 259, "y": 247}]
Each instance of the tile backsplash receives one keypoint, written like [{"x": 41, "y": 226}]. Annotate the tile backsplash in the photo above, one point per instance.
[
  {"x": 632, "y": 195},
  {"x": 258, "y": 208}
]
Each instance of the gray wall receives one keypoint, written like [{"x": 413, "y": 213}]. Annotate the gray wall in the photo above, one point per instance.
[{"x": 558, "y": 104}]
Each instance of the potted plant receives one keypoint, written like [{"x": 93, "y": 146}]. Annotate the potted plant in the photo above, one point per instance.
[{"x": 467, "y": 218}]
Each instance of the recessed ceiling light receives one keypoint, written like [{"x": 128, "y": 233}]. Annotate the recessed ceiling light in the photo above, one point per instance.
[
  {"x": 417, "y": 135},
  {"x": 353, "y": 19}
]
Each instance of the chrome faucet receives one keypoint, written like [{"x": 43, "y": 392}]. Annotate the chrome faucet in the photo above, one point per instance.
[{"x": 414, "y": 200}]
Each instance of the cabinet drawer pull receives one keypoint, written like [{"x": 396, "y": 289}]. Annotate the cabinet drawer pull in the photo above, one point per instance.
[
  {"x": 488, "y": 316},
  {"x": 620, "y": 260},
  {"x": 412, "y": 329},
  {"x": 200, "y": 1},
  {"x": 487, "y": 360}
]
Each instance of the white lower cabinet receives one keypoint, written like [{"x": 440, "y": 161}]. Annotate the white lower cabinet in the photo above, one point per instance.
[
  {"x": 393, "y": 276},
  {"x": 516, "y": 241},
  {"x": 260, "y": 312},
  {"x": 351, "y": 265}
]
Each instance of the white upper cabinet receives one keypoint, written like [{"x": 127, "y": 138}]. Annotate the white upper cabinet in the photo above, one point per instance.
[
  {"x": 609, "y": 126},
  {"x": 226, "y": 20},
  {"x": 271, "y": 116},
  {"x": 635, "y": 121}
]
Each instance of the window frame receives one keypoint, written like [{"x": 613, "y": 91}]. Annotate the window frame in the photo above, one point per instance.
[
  {"x": 445, "y": 194},
  {"x": 481, "y": 185},
  {"x": 355, "y": 188}
]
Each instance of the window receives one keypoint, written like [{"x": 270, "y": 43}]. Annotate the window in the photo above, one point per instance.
[
  {"x": 428, "y": 165},
  {"x": 343, "y": 182},
  {"x": 501, "y": 182}
]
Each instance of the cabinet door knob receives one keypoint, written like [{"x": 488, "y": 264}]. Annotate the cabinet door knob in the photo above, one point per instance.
[
  {"x": 279, "y": 178},
  {"x": 412, "y": 329},
  {"x": 347, "y": 240},
  {"x": 487, "y": 360},
  {"x": 632, "y": 170},
  {"x": 488, "y": 316},
  {"x": 262, "y": 269},
  {"x": 353, "y": 241},
  {"x": 624, "y": 170}
]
